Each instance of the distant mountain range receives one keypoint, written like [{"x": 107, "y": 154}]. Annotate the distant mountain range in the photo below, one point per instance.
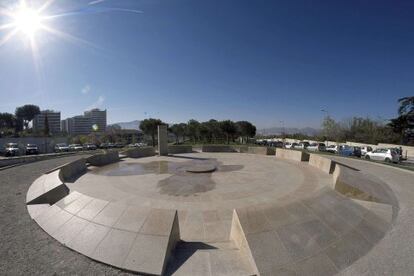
[
  {"x": 128, "y": 125},
  {"x": 288, "y": 130}
]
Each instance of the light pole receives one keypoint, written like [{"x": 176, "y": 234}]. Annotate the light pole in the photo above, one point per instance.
[
  {"x": 327, "y": 116},
  {"x": 326, "y": 112},
  {"x": 283, "y": 130}
]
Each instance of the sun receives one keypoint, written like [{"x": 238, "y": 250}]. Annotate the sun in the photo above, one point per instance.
[{"x": 27, "y": 21}]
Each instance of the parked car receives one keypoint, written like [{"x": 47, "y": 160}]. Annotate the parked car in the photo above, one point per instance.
[
  {"x": 32, "y": 149},
  {"x": 316, "y": 147},
  {"x": 277, "y": 144},
  {"x": 332, "y": 149},
  {"x": 291, "y": 145},
  {"x": 11, "y": 149},
  {"x": 61, "y": 147},
  {"x": 346, "y": 150},
  {"x": 89, "y": 146},
  {"x": 119, "y": 145},
  {"x": 365, "y": 149},
  {"x": 75, "y": 147},
  {"x": 383, "y": 154},
  {"x": 302, "y": 145}
]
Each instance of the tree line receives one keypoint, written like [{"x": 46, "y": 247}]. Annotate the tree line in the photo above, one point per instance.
[
  {"x": 13, "y": 124},
  {"x": 399, "y": 130},
  {"x": 211, "y": 131}
]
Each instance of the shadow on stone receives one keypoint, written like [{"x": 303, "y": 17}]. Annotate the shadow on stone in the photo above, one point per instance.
[{"x": 182, "y": 252}]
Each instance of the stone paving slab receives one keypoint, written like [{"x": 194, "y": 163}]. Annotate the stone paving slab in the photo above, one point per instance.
[
  {"x": 114, "y": 248},
  {"x": 312, "y": 230}
]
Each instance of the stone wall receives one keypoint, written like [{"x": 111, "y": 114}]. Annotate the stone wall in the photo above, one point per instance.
[
  {"x": 257, "y": 150},
  {"x": 179, "y": 149},
  {"x": 70, "y": 171},
  {"x": 292, "y": 154},
  {"x": 10, "y": 161},
  {"x": 140, "y": 152},
  {"x": 103, "y": 159},
  {"x": 217, "y": 148},
  {"x": 323, "y": 163}
]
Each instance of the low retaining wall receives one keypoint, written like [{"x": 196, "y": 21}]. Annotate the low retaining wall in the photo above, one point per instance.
[
  {"x": 217, "y": 148},
  {"x": 261, "y": 150},
  {"x": 29, "y": 158},
  {"x": 72, "y": 170},
  {"x": 257, "y": 150},
  {"x": 103, "y": 159},
  {"x": 292, "y": 154},
  {"x": 180, "y": 149},
  {"x": 238, "y": 236},
  {"x": 140, "y": 152},
  {"x": 322, "y": 163},
  {"x": 242, "y": 149},
  {"x": 354, "y": 184}
]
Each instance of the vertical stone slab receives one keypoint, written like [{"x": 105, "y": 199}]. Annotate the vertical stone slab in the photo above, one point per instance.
[{"x": 162, "y": 140}]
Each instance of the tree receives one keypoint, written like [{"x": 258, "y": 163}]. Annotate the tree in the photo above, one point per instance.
[
  {"x": 7, "y": 120},
  {"x": 215, "y": 129},
  {"x": 178, "y": 130},
  {"x": 229, "y": 128},
  {"x": 404, "y": 123},
  {"x": 331, "y": 129},
  {"x": 246, "y": 130},
  {"x": 46, "y": 129},
  {"x": 193, "y": 129},
  {"x": 205, "y": 132},
  {"x": 7, "y": 123},
  {"x": 406, "y": 105},
  {"x": 26, "y": 113},
  {"x": 150, "y": 127}
]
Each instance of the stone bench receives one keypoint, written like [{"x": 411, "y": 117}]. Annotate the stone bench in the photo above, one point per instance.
[
  {"x": 103, "y": 159},
  {"x": 258, "y": 150},
  {"x": 176, "y": 149},
  {"x": 322, "y": 163},
  {"x": 70, "y": 171},
  {"x": 217, "y": 148},
  {"x": 140, "y": 152},
  {"x": 125, "y": 236},
  {"x": 292, "y": 154}
]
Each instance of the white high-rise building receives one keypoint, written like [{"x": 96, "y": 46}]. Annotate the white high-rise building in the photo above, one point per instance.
[
  {"x": 92, "y": 120},
  {"x": 53, "y": 118}
]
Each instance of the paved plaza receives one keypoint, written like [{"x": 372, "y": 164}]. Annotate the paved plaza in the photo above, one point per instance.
[{"x": 208, "y": 214}]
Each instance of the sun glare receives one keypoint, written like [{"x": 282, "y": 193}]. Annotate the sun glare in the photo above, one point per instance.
[{"x": 28, "y": 21}]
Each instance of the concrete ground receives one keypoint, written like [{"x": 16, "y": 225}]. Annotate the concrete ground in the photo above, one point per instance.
[{"x": 25, "y": 248}]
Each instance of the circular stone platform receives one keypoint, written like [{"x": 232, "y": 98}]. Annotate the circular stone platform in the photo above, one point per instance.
[{"x": 252, "y": 214}]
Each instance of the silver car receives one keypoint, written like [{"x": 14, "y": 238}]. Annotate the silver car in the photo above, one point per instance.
[
  {"x": 387, "y": 155},
  {"x": 316, "y": 147}
]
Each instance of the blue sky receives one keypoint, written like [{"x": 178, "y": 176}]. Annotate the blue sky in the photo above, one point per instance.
[{"x": 262, "y": 61}]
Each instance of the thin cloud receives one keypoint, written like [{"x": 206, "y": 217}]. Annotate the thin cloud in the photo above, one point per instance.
[
  {"x": 98, "y": 103},
  {"x": 86, "y": 89},
  {"x": 96, "y": 2}
]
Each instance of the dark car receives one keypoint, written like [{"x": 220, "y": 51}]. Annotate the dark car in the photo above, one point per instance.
[
  {"x": 90, "y": 146},
  {"x": 277, "y": 144},
  {"x": 32, "y": 149},
  {"x": 11, "y": 149},
  {"x": 119, "y": 145},
  {"x": 346, "y": 150}
]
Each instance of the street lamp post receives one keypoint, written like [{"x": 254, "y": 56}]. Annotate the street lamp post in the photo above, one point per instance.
[{"x": 327, "y": 116}]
